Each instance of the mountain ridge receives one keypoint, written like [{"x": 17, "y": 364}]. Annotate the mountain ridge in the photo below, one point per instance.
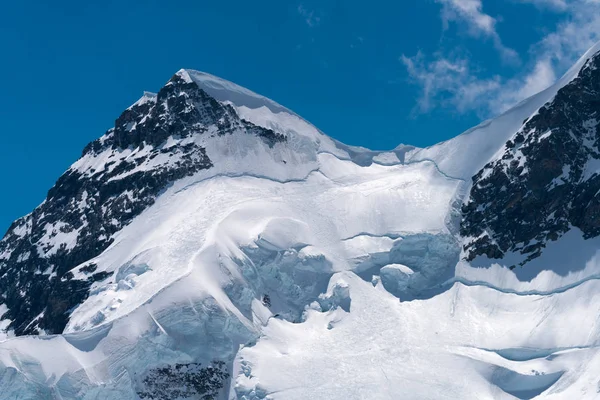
[{"x": 214, "y": 233}]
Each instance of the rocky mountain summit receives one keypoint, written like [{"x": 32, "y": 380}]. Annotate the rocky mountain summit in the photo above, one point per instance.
[{"x": 118, "y": 176}]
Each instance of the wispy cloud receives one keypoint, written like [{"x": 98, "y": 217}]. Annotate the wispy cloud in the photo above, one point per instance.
[
  {"x": 470, "y": 11},
  {"x": 557, "y": 5},
  {"x": 310, "y": 16},
  {"x": 454, "y": 82},
  {"x": 447, "y": 82},
  {"x": 478, "y": 23},
  {"x": 572, "y": 37}
]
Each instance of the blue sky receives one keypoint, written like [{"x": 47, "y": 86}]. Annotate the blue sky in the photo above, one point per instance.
[{"x": 375, "y": 73}]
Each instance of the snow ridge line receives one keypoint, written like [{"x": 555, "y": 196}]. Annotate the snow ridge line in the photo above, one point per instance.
[
  {"x": 533, "y": 292},
  {"x": 249, "y": 175},
  {"x": 536, "y": 353},
  {"x": 422, "y": 160},
  {"x": 454, "y": 178},
  {"x": 392, "y": 236}
]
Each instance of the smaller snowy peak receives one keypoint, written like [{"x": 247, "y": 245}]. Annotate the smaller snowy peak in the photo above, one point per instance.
[
  {"x": 464, "y": 155},
  {"x": 545, "y": 180}
]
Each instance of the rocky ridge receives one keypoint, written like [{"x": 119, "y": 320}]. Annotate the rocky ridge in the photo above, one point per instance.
[{"x": 117, "y": 177}]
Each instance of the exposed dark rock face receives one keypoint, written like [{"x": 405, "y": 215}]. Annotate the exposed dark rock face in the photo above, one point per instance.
[
  {"x": 546, "y": 182},
  {"x": 184, "y": 381},
  {"x": 118, "y": 177}
]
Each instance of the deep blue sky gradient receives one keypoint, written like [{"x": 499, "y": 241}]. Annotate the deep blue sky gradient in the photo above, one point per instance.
[{"x": 70, "y": 67}]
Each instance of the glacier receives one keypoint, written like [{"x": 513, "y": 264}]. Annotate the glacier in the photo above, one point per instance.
[{"x": 360, "y": 255}]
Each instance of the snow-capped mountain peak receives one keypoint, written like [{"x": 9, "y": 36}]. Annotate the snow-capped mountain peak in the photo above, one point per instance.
[{"x": 214, "y": 244}]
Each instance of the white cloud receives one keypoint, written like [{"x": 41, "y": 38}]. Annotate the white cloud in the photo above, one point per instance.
[
  {"x": 452, "y": 82},
  {"x": 479, "y": 23},
  {"x": 446, "y": 82},
  {"x": 541, "y": 77},
  {"x": 557, "y": 5},
  {"x": 470, "y": 11},
  {"x": 576, "y": 34}
]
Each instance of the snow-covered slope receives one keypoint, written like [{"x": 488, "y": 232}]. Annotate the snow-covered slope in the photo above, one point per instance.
[
  {"x": 466, "y": 154},
  {"x": 214, "y": 244}
]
